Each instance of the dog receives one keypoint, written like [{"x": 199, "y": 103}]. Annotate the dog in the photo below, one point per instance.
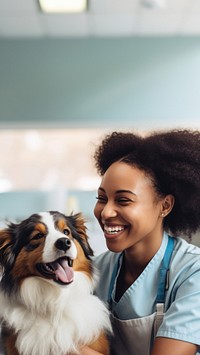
[{"x": 47, "y": 304}]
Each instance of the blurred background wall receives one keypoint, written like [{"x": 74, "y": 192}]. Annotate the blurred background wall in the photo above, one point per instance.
[
  {"x": 135, "y": 82},
  {"x": 68, "y": 79}
]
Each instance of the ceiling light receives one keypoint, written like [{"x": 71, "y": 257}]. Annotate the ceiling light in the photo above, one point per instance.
[
  {"x": 154, "y": 3},
  {"x": 60, "y": 6}
]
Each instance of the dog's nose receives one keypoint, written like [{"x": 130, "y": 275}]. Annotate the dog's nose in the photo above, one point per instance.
[{"x": 63, "y": 244}]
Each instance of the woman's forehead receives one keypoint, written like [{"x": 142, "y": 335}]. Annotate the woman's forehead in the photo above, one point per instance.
[{"x": 124, "y": 176}]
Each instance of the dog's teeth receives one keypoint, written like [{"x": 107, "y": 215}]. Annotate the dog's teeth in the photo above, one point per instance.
[
  {"x": 48, "y": 268},
  {"x": 70, "y": 262}
]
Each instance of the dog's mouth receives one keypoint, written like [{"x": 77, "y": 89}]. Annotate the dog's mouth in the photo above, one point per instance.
[{"x": 60, "y": 270}]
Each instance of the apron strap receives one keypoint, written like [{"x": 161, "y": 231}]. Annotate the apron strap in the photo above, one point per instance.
[{"x": 158, "y": 320}]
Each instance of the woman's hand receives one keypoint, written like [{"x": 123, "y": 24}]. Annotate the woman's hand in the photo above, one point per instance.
[
  {"x": 88, "y": 351},
  {"x": 166, "y": 346}
]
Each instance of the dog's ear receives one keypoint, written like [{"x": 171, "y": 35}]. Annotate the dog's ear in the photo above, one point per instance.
[
  {"x": 78, "y": 222},
  {"x": 6, "y": 246},
  {"x": 5, "y": 238}
]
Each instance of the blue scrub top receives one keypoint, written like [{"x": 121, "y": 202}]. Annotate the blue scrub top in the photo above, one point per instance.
[{"x": 182, "y": 303}]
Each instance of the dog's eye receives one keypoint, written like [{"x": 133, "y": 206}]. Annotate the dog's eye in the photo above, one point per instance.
[
  {"x": 38, "y": 236},
  {"x": 66, "y": 231}
]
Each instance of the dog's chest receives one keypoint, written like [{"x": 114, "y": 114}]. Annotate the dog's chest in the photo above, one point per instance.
[{"x": 57, "y": 327}]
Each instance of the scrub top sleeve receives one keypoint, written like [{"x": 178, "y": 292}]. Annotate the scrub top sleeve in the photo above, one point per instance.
[{"x": 182, "y": 319}]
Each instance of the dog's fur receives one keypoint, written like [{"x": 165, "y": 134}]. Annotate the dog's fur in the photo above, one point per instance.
[{"x": 46, "y": 299}]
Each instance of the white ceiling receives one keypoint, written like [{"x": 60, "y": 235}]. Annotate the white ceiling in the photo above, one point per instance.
[{"x": 22, "y": 18}]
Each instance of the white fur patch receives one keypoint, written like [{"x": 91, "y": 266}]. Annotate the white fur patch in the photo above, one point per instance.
[{"x": 52, "y": 320}]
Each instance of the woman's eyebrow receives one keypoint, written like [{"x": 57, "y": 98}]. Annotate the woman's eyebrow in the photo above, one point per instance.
[
  {"x": 126, "y": 191},
  {"x": 119, "y": 191}
]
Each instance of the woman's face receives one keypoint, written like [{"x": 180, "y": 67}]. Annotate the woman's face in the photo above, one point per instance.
[{"x": 128, "y": 209}]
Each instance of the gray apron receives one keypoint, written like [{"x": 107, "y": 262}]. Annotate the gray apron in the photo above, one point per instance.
[{"x": 135, "y": 336}]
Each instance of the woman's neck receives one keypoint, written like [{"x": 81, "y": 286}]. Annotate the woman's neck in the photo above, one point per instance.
[{"x": 135, "y": 260}]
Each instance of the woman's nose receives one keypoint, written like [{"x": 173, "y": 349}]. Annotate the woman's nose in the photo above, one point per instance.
[{"x": 108, "y": 211}]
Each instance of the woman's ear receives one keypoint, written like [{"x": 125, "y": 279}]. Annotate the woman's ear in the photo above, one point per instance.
[{"x": 167, "y": 205}]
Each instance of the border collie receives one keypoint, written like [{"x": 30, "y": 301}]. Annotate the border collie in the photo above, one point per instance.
[{"x": 47, "y": 304}]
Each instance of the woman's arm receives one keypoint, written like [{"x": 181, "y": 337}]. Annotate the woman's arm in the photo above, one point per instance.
[
  {"x": 87, "y": 351},
  {"x": 167, "y": 346}
]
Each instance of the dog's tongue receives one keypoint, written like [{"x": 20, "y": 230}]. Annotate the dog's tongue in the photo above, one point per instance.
[{"x": 64, "y": 272}]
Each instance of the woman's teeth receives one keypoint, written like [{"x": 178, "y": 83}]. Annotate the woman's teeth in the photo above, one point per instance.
[{"x": 113, "y": 230}]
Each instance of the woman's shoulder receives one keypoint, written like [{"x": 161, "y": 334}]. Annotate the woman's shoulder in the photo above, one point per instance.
[
  {"x": 185, "y": 258},
  {"x": 183, "y": 247}
]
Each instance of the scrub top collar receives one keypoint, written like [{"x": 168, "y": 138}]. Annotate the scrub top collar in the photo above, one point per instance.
[{"x": 158, "y": 262}]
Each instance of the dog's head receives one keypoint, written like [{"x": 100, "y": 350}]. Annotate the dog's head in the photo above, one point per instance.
[{"x": 49, "y": 245}]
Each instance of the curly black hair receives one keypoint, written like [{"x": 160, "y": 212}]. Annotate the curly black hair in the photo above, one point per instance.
[{"x": 172, "y": 161}]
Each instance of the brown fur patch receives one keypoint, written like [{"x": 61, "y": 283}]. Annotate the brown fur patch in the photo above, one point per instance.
[
  {"x": 25, "y": 263},
  {"x": 81, "y": 263},
  {"x": 61, "y": 225}
]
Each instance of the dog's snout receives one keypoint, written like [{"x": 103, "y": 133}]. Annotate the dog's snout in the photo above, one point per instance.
[{"x": 63, "y": 244}]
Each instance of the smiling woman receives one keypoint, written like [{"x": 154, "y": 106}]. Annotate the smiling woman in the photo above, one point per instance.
[
  {"x": 133, "y": 202},
  {"x": 148, "y": 199}
]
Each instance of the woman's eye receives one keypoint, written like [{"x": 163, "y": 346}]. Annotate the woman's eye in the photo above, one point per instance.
[
  {"x": 123, "y": 200},
  {"x": 66, "y": 231},
  {"x": 101, "y": 199},
  {"x": 38, "y": 236}
]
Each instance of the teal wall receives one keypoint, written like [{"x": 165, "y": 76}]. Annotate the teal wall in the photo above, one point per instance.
[
  {"x": 99, "y": 82},
  {"x": 17, "y": 205}
]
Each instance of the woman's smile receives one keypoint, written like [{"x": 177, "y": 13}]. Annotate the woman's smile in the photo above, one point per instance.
[{"x": 113, "y": 231}]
